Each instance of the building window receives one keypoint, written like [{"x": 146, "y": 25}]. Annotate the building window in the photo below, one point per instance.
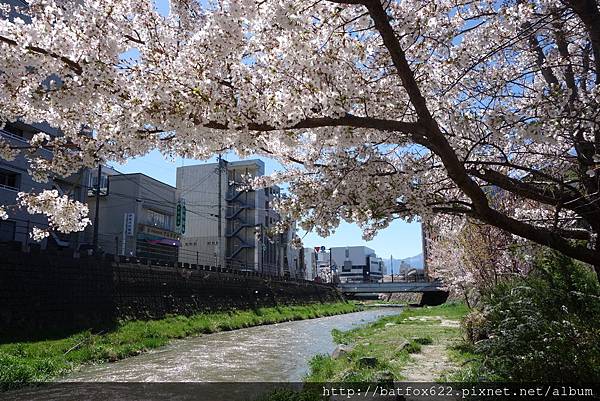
[
  {"x": 7, "y": 230},
  {"x": 158, "y": 219},
  {"x": 9, "y": 179},
  {"x": 93, "y": 182}
]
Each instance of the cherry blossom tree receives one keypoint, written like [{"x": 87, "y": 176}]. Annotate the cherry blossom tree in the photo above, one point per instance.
[
  {"x": 379, "y": 109},
  {"x": 471, "y": 258}
]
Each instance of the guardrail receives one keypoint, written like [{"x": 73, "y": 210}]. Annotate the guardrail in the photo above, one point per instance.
[
  {"x": 207, "y": 268},
  {"x": 389, "y": 287}
]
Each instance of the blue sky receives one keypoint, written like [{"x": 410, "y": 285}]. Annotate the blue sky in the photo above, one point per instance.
[{"x": 400, "y": 239}]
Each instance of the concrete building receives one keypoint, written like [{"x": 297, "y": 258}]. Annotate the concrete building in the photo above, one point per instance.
[
  {"x": 324, "y": 271},
  {"x": 310, "y": 263},
  {"x": 356, "y": 264},
  {"x": 137, "y": 216},
  {"x": 228, "y": 224},
  {"x": 14, "y": 178}
]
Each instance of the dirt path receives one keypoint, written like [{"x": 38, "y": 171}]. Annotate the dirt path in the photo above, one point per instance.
[
  {"x": 429, "y": 364},
  {"x": 433, "y": 360}
]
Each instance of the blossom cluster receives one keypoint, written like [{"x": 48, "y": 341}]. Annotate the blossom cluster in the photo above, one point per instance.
[
  {"x": 505, "y": 91},
  {"x": 64, "y": 214}
]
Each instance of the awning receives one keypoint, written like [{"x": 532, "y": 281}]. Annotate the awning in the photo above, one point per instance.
[{"x": 164, "y": 241}]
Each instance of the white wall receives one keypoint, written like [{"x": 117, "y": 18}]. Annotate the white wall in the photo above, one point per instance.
[{"x": 199, "y": 186}]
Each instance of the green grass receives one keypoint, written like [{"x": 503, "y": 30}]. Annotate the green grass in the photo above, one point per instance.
[
  {"x": 391, "y": 340},
  {"x": 469, "y": 366},
  {"x": 38, "y": 361}
]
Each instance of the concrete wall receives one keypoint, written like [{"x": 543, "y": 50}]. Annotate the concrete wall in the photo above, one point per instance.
[
  {"x": 42, "y": 294},
  {"x": 199, "y": 186}
]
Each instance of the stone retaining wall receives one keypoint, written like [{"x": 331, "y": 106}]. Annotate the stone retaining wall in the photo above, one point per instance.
[{"x": 52, "y": 292}]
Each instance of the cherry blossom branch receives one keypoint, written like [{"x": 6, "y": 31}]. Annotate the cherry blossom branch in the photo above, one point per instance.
[
  {"x": 72, "y": 65},
  {"x": 456, "y": 171}
]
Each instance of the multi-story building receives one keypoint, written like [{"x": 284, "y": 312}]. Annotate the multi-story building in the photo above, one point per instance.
[
  {"x": 228, "y": 223},
  {"x": 136, "y": 215},
  {"x": 356, "y": 264},
  {"x": 15, "y": 177},
  {"x": 310, "y": 263},
  {"x": 324, "y": 270}
]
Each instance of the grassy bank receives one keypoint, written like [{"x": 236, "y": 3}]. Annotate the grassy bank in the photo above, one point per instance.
[
  {"x": 383, "y": 349},
  {"x": 24, "y": 362}
]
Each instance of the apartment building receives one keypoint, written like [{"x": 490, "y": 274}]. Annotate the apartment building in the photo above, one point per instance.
[
  {"x": 15, "y": 178},
  {"x": 310, "y": 263}
]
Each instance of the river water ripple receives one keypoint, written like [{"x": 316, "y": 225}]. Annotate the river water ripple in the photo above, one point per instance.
[{"x": 272, "y": 353}]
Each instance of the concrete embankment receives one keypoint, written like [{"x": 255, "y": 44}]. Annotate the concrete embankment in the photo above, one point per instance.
[{"x": 47, "y": 293}]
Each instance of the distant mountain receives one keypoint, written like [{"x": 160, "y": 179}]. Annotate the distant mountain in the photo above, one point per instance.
[{"x": 415, "y": 262}]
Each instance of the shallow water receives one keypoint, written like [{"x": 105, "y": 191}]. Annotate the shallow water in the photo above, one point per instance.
[{"x": 271, "y": 353}]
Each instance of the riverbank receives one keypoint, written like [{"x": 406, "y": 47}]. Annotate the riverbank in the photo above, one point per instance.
[
  {"x": 24, "y": 362},
  {"x": 412, "y": 346}
]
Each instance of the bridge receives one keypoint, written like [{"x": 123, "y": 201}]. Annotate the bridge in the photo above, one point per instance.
[
  {"x": 433, "y": 291},
  {"x": 389, "y": 287}
]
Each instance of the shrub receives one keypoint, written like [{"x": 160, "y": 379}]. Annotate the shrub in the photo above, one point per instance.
[
  {"x": 423, "y": 340},
  {"x": 544, "y": 327},
  {"x": 413, "y": 347}
]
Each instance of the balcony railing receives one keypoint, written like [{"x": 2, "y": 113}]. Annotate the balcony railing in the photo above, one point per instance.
[
  {"x": 20, "y": 139},
  {"x": 8, "y": 187}
]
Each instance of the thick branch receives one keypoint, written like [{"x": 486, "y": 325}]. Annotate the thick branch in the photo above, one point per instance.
[
  {"x": 588, "y": 12},
  {"x": 72, "y": 65},
  {"x": 519, "y": 187},
  {"x": 456, "y": 171},
  {"x": 349, "y": 120}
]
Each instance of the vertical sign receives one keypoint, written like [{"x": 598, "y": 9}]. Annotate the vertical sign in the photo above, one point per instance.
[
  {"x": 130, "y": 219},
  {"x": 128, "y": 225},
  {"x": 180, "y": 216},
  {"x": 183, "y": 216}
]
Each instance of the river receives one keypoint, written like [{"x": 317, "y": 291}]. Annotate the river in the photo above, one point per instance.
[
  {"x": 236, "y": 365},
  {"x": 271, "y": 353}
]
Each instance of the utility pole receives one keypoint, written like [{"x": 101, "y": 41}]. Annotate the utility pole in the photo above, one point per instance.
[
  {"x": 262, "y": 249},
  {"x": 96, "y": 216},
  {"x": 392, "y": 266},
  {"x": 219, "y": 216},
  {"x": 331, "y": 267}
]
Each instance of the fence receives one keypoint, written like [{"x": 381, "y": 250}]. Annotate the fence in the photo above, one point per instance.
[
  {"x": 111, "y": 244},
  {"x": 46, "y": 291}
]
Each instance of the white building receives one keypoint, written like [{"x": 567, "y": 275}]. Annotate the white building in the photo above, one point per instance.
[
  {"x": 324, "y": 271},
  {"x": 310, "y": 263},
  {"x": 356, "y": 264},
  {"x": 227, "y": 223}
]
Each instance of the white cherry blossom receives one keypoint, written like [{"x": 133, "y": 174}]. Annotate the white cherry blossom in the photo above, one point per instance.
[{"x": 378, "y": 110}]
